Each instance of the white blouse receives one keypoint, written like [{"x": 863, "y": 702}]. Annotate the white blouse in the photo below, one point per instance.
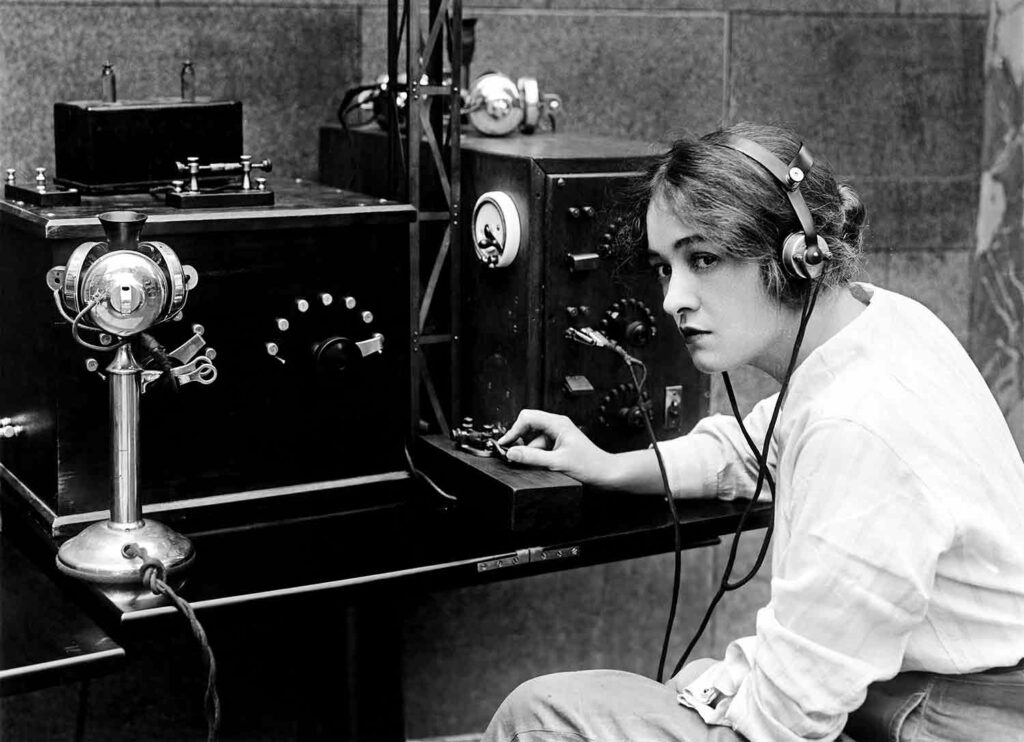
[{"x": 899, "y": 535}]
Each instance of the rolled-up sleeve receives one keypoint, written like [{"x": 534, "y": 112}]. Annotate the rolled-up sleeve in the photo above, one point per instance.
[{"x": 714, "y": 459}]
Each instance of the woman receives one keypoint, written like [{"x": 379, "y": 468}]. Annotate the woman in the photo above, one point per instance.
[{"x": 897, "y": 593}]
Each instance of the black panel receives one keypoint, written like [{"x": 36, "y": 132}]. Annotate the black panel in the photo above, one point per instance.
[
  {"x": 514, "y": 349},
  {"x": 325, "y": 413}
]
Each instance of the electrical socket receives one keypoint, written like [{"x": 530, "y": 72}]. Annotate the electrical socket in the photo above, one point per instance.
[{"x": 673, "y": 407}]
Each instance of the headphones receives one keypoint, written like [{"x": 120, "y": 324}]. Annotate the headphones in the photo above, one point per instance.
[{"x": 803, "y": 253}]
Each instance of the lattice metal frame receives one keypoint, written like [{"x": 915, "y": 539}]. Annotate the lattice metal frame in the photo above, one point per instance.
[{"x": 429, "y": 97}]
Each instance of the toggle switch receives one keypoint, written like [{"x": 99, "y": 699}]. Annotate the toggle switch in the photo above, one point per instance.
[
  {"x": 673, "y": 407},
  {"x": 577, "y": 385},
  {"x": 583, "y": 261}
]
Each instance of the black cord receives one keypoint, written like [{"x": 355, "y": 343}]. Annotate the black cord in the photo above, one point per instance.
[
  {"x": 421, "y": 476},
  {"x": 762, "y": 461},
  {"x": 152, "y": 572},
  {"x": 762, "y": 458},
  {"x": 762, "y": 465},
  {"x": 160, "y": 357},
  {"x": 676, "y": 535}
]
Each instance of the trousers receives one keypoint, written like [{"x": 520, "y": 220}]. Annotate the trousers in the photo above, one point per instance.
[{"x": 616, "y": 706}]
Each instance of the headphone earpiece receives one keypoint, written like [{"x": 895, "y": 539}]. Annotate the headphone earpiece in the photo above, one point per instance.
[
  {"x": 803, "y": 254},
  {"x": 801, "y": 262}
]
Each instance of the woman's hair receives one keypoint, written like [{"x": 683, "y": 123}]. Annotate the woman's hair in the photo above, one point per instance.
[{"x": 739, "y": 207}]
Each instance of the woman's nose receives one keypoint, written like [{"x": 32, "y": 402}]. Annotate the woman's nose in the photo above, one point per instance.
[{"x": 680, "y": 295}]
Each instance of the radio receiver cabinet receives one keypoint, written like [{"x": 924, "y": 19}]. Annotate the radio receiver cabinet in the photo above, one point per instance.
[
  {"x": 300, "y": 306},
  {"x": 538, "y": 261}
]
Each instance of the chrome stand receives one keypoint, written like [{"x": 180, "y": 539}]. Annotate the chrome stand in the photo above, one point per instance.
[{"x": 96, "y": 554}]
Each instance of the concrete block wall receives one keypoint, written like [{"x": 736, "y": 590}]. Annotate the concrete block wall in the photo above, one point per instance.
[
  {"x": 288, "y": 61},
  {"x": 890, "y": 91}
]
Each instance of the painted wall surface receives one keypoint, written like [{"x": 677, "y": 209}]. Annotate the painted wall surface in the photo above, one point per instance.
[{"x": 889, "y": 91}]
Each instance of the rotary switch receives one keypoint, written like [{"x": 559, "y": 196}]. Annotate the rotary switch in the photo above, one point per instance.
[
  {"x": 619, "y": 408},
  {"x": 629, "y": 321},
  {"x": 334, "y": 334}
]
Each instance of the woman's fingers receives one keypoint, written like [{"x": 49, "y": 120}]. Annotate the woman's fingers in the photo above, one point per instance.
[
  {"x": 531, "y": 456},
  {"x": 531, "y": 425}
]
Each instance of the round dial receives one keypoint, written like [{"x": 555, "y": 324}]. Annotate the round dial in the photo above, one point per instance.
[
  {"x": 332, "y": 333},
  {"x": 496, "y": 229}
]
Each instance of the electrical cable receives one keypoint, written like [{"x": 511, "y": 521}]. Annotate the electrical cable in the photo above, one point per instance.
[
  {"x": 423, "y": 477},
  {"x": 76, "y": 323},
  {"x": 591, "y": 337},
  {"x": 161, "y": 357},
  {"x": 676, "y": 535},
  {"x": 762, "y": 461},
  {"x": 766, "y": 540},
  {"x": 152, "y": 572}
]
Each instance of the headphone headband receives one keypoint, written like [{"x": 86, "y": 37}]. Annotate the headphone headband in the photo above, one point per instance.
[{"x": 789, "y": 177}]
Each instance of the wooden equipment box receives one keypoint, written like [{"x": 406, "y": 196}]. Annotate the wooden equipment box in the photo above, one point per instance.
[
  {"x": 266, "y": 435},
  {"x": 131, "y": 146}
]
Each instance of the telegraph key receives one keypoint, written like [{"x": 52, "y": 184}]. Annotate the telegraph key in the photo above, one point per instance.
[
  {"x": 248, "y": 191},
  {"x": 482, "y": 441}
]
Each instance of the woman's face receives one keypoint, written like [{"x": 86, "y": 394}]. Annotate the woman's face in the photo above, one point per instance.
[{"x": 718, "y": 302}]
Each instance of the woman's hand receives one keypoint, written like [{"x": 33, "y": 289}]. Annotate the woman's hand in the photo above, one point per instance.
[{"x": 554, "y": 442}]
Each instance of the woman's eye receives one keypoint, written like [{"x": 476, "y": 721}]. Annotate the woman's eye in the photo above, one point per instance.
[
  {"x": 703, "y": 260},
  {"x": 662, "y": 270}
]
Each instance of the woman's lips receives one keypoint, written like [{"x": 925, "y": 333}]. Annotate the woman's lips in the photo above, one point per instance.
[{"x": 690, "y": 334}]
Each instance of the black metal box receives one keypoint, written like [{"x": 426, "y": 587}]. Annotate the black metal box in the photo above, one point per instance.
[
  {"x": 131, "y": 146},
  {"x": 284, "y": 431},
  {"x": 512, "y": 344}
]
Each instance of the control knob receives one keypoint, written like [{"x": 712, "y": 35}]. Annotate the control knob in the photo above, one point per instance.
[
  {"x": 338, "y": 353},
  {"x": 619, "y": 408},
  {"x": 335, "y": 333},
  {"x": 629, "y": 321}
]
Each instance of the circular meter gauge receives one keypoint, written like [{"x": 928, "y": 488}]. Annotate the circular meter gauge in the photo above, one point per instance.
[{"x": 496, "y": 229}]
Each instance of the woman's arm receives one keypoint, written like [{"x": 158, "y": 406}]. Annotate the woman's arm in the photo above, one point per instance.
[
  {"x": 713, "y": 459},
  {"x": 554, "y": 442}
]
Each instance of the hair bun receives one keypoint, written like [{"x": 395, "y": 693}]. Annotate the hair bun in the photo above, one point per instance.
[{"x": 853, "y": 214}]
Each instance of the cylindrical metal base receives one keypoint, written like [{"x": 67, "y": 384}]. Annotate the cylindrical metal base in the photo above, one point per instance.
[{"x": 96, "y": 554}]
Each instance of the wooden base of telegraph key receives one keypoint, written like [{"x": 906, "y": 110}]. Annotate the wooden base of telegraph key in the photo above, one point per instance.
[
  {"x": 247, "y": 191},
  {"x": 219, "y": 199},
  {"x": 504, "y": 495}
]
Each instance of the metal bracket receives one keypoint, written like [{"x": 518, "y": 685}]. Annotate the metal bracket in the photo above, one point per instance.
[
  {"x": 192, "y": 368},
  {"x": 533, "y": 555}
]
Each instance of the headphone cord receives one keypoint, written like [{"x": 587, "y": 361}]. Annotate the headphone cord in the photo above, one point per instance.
[
  {"x": 762, "y": 461},
  {"x": 762, "y": 456},
  {"x": 638, "y": 383}
]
